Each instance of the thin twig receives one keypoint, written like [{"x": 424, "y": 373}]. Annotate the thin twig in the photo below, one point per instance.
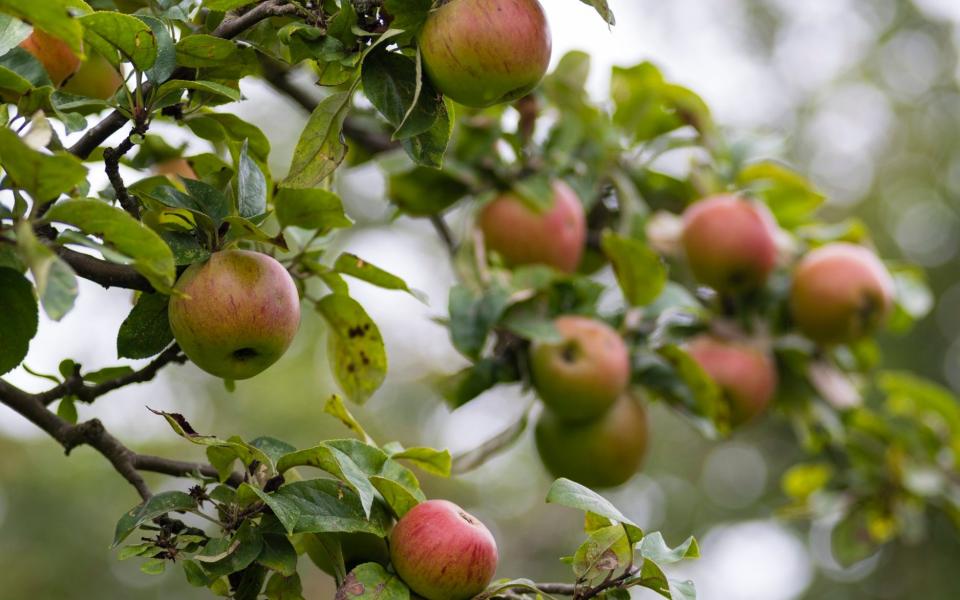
[
  {"x": 92, "y": 433},
  {"x": 75, "y": 386}
]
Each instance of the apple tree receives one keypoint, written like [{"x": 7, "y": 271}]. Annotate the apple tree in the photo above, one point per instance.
[{"x": 588, "y": 273}]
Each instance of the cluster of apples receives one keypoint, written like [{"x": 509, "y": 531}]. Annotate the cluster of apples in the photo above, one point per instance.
[
  {"x": 839, "y": 293},
  {"x": 593, "y": 429},
  {"x": 93, "y": 77}
]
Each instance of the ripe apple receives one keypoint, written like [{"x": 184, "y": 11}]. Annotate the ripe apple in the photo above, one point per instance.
[
  {"x": 235, "y": 314},
  {"x": 54, "y": 54},
  {"x": 484, "y": 52},
  {"x": 175, "y": 166},
  {"x": 746, "y": 376},
  {"x": 96, "y": 78},
  {"x": 443, "y": 553},
  {"x": 521, "y": 235},
  {"x": 583, "y": 375},
  {"x": 840, "y": 293},
  {"x": 602, "y": 453},
  {"x": 730, "y": 242}
]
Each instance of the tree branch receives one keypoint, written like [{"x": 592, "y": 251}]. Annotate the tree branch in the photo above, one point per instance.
[
  {"x": 92, "y": 433},
  {"x": 111, "y": 161},
  {"x": 105, "y": 273},
  {"x": 75, "y": 386}
]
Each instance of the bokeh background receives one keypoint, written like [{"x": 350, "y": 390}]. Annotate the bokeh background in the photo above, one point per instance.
[{"x": 860, "y": 94}]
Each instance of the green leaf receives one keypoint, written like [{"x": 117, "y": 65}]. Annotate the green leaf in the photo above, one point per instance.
[
  {"x": 226, "y": 127},
  {"x": 315, "y": 209},
  {"x": 607, "y": 549},
  {"x": 153, "y": 566},
  {"x": 211, "y": 201},
  {"x": 354, "y": 266},
  {"x": 472, "y": 317},
  {"x": 280, "y": 587},
  {"x": 392, "y": 83},
  {"x": 272, "y": 447},
  {"x": 109, "y": 32},
  {"x": 851, "y": 540},
  {"x": 338, "y": 464},
  {"x": 323, "y": 505},
  {"x": 166, "y": 61},
  {"x": 602, "y": 9},
  {"x": 239, "y": 553},
  {"x": 370, "y": 581},
  {"x": 334, "y": 406},
  {"x": 105, "y": 374},
  {"x": 12, "y": 32},
  {"x": 396, "y": 483},
  {"x": 170, "y": 87},
  {"x": 151, "y": 256},
  {"x": 146, "y": 330},
  {"x": 67, "y": 409},
  {"x": 424, "y": 191},
  {"x": 43, "y": 176},
  {"x": 648, "y": 107},
  {"x": 356, "y": 348},
  {"x": 792, "y": 198},
  {"x": 803, "y": 480},
  {"x": 278, "y": 554},
  {"x": 52, "y": 16},
  {"x": 157, "y": 505},
  {"x": 225, "y": 5},
  {"x": 573, "y": 495},
  {"x": 639, "y": 270},
  {"x": 428, "y": 148},
  {"x": 201, "y": 50},
  {"x": 431, "y": 460},
  {"x": 251, "y": 186},
  {"x": 320, "y": 149},
  {"x": 224, "y": 451},
  {"x": 55, "y": 280},
  {"x": 654, "y": 548},
  {"x": 653, "y": 578},
  {"x": 408, "y": 15}
]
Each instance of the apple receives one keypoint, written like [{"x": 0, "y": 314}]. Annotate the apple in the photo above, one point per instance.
[
  {"x": 443, "y": 553},
  {"x": 581, "y": 377},
  {"x": 96, "y": 78},
  {"x": 840, "y": 293},
  {"x": 746, "y": 376},
  {"x": 175, "y": 167},
  {"x": 484, "y": 52},
  {"x": 235, "y": 314},
  {"x": 730, "y": 242},
  {"x": 602, "y": 453},
  {"x": 54, "y": 54},
  {"x": 521, "y": 235}
]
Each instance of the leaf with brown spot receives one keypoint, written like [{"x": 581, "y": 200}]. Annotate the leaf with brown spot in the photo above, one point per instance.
[{"x": 370, "y": 581}]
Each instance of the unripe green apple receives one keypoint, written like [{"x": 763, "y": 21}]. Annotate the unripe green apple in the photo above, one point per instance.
[
  {"x": 484, "y": 52},
  {"x": 443, "y": 553},
  {"x": 96, "y": 78},
  {"x": 602, "y": 453},
  {"x": 521, "y": 235},
  {"x": 54, "y": 54},
  {"x": 840, "y": 293},
  {"x": 235, "y": 314},
  {"x": 746, "y": 376},
  {"x": 730, "y": 243},
  {"x": 581, "y": 377}
]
